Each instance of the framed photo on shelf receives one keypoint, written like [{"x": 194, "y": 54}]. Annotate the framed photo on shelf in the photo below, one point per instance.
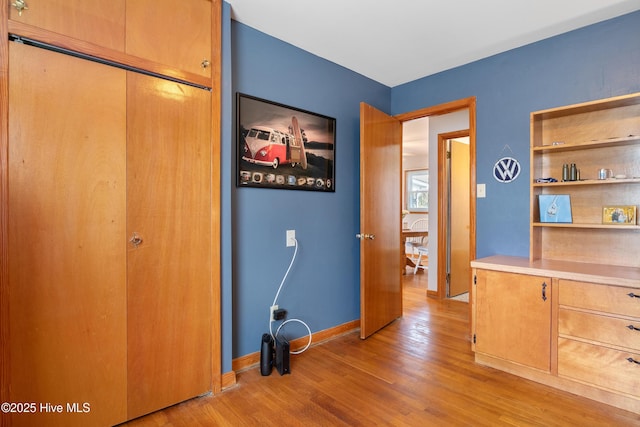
[
  {"x": 619, "y": 215},
  {"x": 284, "y": 147},
  {"x": 555, "y": 208}
]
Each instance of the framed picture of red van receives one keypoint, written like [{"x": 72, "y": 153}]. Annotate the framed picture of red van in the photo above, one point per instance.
[{"x": 284, "y": 147}]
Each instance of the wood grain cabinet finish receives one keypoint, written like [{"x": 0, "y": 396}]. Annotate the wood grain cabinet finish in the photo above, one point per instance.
[
  {"x": 593, "y": 323},
  {"x": 619, "y": 332},
  {"x": 513, "y": 317},
  {"x": 169, "y": 273},
  {"x": 599, "y": 335},
  {"x": 67, "y": 254},
  {"x": 593, "y": 135},
  {"x": 596, "y": 297},
  {"x": 175, "y": 35},
  {"x": 95, "y": 318},
  {"x": 109, "y": 275},
  {"x": 599, "y": 365},
  {"x": 593, "y": 265},
  {"x": 98, "y": 22}
]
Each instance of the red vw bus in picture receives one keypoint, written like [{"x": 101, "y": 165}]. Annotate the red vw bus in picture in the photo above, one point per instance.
[{"x": 270, "y": 147}]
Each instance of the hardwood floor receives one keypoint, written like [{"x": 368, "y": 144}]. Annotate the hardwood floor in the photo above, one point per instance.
[{"x": 418, "y": 371}]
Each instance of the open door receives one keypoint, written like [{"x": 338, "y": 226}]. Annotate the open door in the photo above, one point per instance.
[
  {"x": 380, "y": 222},
  {"x": 459, "y": 231}
]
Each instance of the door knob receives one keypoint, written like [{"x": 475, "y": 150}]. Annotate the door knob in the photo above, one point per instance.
[
  {"x": 20, "y": 5},
  {"x": 365, "y": 236},
  {"x": 136, "y": 240}
]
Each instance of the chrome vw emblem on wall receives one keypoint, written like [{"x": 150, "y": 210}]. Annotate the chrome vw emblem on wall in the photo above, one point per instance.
[{"x": 506, "y": 169}]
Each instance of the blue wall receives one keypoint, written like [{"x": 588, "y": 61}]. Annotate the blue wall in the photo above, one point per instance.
[
  {"x": 598, "y": 61},
  {"x": 322, "y": 288}
]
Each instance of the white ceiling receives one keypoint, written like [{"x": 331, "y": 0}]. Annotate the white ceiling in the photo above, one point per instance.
[{"x": 395, "y": 42}]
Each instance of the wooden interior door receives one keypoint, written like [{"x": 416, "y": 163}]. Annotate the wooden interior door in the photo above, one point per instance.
[
  {"x": 67, "y": 254},
  {"x": 459, "y": 219},
  {"x": 380, "y": 221},
  {"x": 169, "y": 266}
]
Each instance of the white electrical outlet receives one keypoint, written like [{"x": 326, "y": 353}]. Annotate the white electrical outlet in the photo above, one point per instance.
[{"x": 291, "y": 238}]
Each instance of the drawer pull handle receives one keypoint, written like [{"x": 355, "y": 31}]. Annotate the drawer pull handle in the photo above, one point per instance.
[
  {"x": 633, "y": 328},
  {"x": 632, "y": 360},
  {"x": 632, "y": 295},
  {"x": 544, "y": 291}
]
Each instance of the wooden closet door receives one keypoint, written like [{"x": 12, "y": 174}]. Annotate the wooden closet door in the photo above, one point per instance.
[
  {"x": 177, "y": 34},
  {"x": 169, "y": 269},
  {"x": 95, "y": 21},
  {"x": 67, "y": 247}
]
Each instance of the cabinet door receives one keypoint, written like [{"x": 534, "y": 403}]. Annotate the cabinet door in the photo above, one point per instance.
[
  {"x": 67, "y": 253},
  {"x": 513, "y": 318},
  {"x": 169, "y": 269},
  {"x": 95, "y": 21},
  {"x": 177, "y": 34}
]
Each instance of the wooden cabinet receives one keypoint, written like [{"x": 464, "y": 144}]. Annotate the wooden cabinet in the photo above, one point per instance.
[
  {"x": 593, "y": 135},
  {"x": 186, "y": 46},
  {"x": 95, "y": 21},
  {"x": 592, "y": 265},
  {"x": 592, "y": 325},
  {"x": 598, "y": 365},
  {"x": 513, "y": 317},
  {"x": 599, "y": 335},
  {"x": 175, "y": 36},
  {"x": 109, "y": 179},
  {"x": 110, "y": 253}
]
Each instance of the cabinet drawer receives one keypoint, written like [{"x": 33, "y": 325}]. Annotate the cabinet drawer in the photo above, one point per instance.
[
  {"x": 605, "y": 298},
  {"x": 605, "y": 329},
  {"x": 599, "y": 366}
]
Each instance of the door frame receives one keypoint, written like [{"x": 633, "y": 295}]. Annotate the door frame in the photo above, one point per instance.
[
  {"x": 438, "y": 110},
  {"x": 443, "y": 207}
]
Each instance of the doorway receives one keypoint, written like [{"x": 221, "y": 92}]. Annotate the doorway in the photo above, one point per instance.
[
  {"x": 446, "y": 118},
  {"x": 377, "y": 296},
  {"x": 454, "y": 219}
]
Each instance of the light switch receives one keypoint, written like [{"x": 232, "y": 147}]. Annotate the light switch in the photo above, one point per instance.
[{"x": 481, "y": 192}]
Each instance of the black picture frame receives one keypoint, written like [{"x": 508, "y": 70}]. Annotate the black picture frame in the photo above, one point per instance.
[{"x": 283, "y": 147}]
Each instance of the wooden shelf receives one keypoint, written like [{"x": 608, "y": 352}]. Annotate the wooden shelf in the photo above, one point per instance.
[
  {"x": 615, "y": 141},
  {"x": 592, "y": 135},
  {"x": 621, "y": 101},
  {"x": 591, "y": 226},
  {"x": 611, "y": 181}
]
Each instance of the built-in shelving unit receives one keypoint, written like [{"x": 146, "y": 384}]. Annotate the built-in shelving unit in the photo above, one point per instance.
[
  {"x": 577, "y": 292},
  {"x": 593, "y": 135}
]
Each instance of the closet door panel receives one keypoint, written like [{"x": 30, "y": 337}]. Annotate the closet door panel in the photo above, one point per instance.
[
  {"x": 67, "y": 248},
  {"x": 169, "y": 265},
  {"x": 95, "y": 21},
  {"x": 184, "y": 46}
]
